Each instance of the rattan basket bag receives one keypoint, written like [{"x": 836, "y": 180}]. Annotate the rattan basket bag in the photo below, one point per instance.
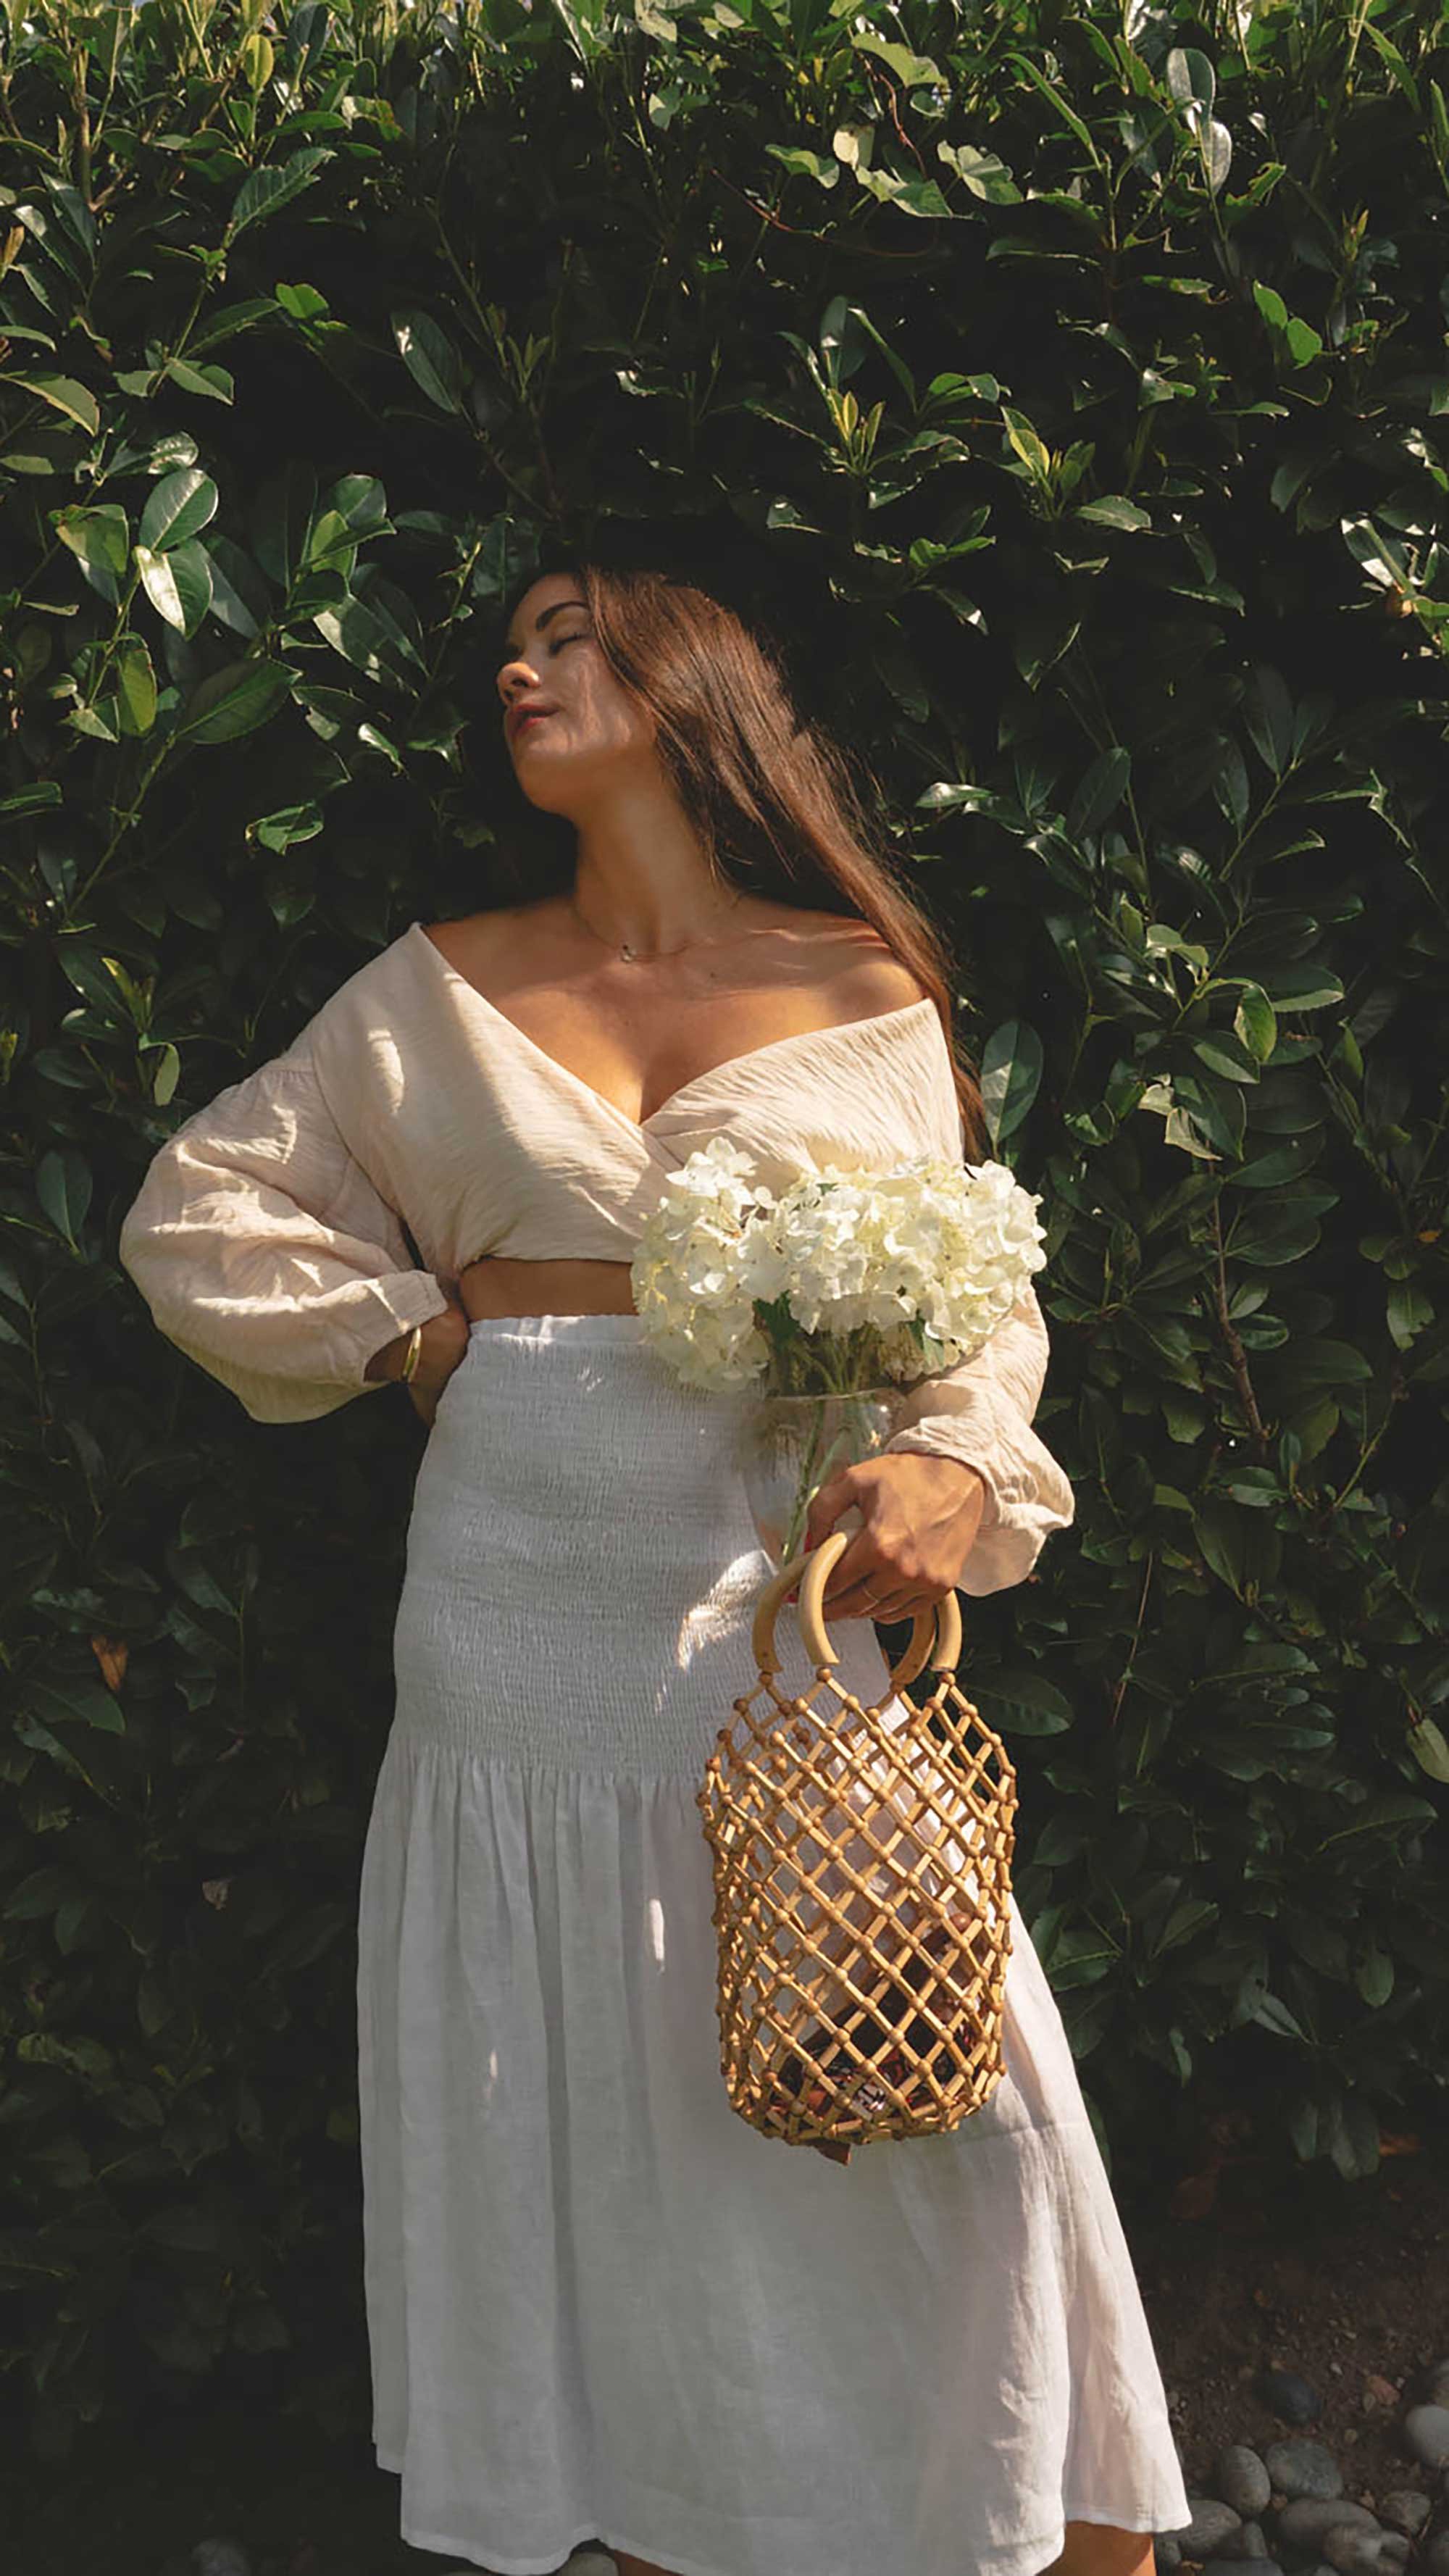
[{"x": 862, "y": 1872}]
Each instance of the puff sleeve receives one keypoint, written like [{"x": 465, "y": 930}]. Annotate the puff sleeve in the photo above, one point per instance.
[
  {"x": 982, "y": 1414},
  {"x": 266, "y": 1253}
]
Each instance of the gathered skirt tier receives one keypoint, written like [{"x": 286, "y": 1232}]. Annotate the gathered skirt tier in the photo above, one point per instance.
[{"x": 599, "y": 2305}]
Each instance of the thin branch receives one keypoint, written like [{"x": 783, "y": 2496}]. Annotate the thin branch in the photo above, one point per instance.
[
  {"x": 1121, "y": 1691},
  {"x": 1236, "y": 1353}
]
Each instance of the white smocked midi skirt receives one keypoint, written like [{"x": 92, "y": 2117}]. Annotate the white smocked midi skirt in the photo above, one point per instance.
[{"x": 599, "y": 2305}]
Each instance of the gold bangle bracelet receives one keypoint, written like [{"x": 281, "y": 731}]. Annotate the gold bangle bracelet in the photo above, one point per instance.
[{"x": 412, "y": 1355}]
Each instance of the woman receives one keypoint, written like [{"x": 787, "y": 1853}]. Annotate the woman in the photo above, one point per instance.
[{"x": 600, "y": 2305}]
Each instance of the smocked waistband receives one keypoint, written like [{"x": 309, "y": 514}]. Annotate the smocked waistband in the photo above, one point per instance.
[{"x": 581, "y": 1332}]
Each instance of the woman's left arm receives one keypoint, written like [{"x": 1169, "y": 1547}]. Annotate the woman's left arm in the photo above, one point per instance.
[
  {"x": 981, "y": 1413},
  {"x": 929, "y": 1529}
]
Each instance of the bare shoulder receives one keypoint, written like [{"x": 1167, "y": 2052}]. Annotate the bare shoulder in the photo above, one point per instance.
[
  {"x": 861, "y": 971},
  {"x": 466, "y": 934},
  {"x": 479, "y": 941},
  {"x": 451, "y": 938},
  {"x": 885, "y": 983}
]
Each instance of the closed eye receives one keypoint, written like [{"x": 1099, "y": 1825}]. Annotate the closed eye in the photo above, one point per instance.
[{"x": 580, "y": 638}]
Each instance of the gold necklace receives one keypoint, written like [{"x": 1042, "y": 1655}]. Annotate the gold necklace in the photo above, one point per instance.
[{"x": 640, "y": 956}]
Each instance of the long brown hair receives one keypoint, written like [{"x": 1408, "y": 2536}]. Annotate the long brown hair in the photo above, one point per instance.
[{"x": 770, "y": 795}]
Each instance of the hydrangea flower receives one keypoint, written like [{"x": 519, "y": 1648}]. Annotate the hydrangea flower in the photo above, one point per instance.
[{"x": 847, "y": 1279}]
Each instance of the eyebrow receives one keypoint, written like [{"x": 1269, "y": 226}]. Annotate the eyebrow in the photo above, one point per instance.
[{"x": 541, "y": 621}]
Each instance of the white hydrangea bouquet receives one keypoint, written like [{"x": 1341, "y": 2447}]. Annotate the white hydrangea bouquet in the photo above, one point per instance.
[{"x": 823, "y": 1296}]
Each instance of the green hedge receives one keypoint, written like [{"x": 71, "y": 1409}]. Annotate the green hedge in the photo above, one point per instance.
[{"x": 1069, "y": 388}]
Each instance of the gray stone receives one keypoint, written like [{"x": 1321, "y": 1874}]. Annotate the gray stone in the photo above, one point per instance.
[
  {"x": 1166, "y": 2554},
  {"x": 1288, "y": 2396},
  {"x": 1437, "y": 2561},
  {"x": 1436, "y": 2382},
  {"x": 1303, "y": 2469},
  {"x": 1426, "y": 2435},
  {"x": 1264, "y": 2566},
  {"x": 1246, "y": 2543},
  {"x": 220, "y": 2558},
  {"x": 588, "y": 2561},
  {"x": 1242, "y": 2480},
  {"x": 1395, "y": 2550},
  {"x": 1211, "y": 2523},
  {"x": 1300, "y": 2527},
  {"x": 1352, "y": 2549},
  {"x": 1406, "y": 2510}
]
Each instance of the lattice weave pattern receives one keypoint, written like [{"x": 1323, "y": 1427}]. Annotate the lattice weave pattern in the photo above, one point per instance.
[{"x": 862, "y": 1872}]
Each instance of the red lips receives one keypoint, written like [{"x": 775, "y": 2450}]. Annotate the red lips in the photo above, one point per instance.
[{"x": 521, "y": 715}]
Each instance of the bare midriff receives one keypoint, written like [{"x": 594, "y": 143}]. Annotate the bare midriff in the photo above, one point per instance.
[{"x": 498, "y": 1287}]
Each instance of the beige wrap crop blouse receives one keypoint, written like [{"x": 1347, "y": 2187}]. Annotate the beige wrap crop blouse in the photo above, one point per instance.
[{"x": 267, "y": 1236}]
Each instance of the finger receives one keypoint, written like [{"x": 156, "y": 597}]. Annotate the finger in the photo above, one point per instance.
[
  {"x": 884, "y": 1602},
  {"x": 907, "y": 1613},
  {"x": 891, "y": 1609},
  {"x": 829, "y": 1506},
  {"x": 860, "y": 1600},
  {"x": 918, "y": 1608},
  {"x": 858, "y": 1562}
]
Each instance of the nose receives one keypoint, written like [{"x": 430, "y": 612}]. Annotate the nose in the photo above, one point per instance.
[{"x": 520, "y": 669}]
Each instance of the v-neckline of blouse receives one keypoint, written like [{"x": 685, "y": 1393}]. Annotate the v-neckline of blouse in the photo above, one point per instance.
[{"x": 640, "y": 1127}]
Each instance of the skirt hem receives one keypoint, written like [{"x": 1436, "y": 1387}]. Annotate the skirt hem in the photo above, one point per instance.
[{"x": 1028, "y": 2559}]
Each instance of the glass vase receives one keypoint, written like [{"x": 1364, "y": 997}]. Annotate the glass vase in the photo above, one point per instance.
[{"x": 791, "y": 1445}]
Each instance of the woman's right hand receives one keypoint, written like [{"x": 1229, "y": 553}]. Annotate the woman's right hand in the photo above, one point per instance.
[{"x": 444, "y": 1341}]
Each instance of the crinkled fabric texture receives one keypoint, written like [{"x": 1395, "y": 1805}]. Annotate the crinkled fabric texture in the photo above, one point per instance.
[
  {"x": 599, "y": 2305},
  {"x": 270, "y": 1234}
]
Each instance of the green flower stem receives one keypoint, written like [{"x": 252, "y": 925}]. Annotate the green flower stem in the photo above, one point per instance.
[
  {"x": 806, "y": 1489},
  {"x": 849, "y": 1439}
]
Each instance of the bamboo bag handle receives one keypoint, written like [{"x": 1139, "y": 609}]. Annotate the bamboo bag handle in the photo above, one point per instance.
[{"x": 935, "y": 1636}]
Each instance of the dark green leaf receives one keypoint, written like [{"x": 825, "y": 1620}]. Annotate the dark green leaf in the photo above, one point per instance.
[
  {"x": 63, "y": 394},
  {"x": 373, "y": 642},
  {"x": 981, "y": 172},
  {"x": 209, "y": 380},
  {"x": 180, "y": 505},
  {"x": 235, "y": 701},
  {"x": 100, "y": 536},
  {"x": 40, "y": 1894},
  {"x": 1268, "y": 713},
  {"x": 1301, "y": 988},
  {"x": 430, "y": 358},
  {"x": 1011, "y": 1068},
  {"x": 177, "y": 584},
  {"x": 1114, "y": 510},
  {"x": 1101, "y": 791},
  {"x": 1274, "y": 2015},
  {"x": 135, "y": 686},
  {"x": 274, "y": 186},
  {"x": 34, "y": 799},
  {"x": 63, "y": 1186},
  {"x": 1190, "y": 77},
  {"x": 1430, "y": 1749},
  {"x": 1382, "y": 1813},
  {"x": 1024, "y": 1703}
]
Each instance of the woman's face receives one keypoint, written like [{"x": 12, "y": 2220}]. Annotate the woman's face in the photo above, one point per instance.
[{"x": 592, "y": 733}]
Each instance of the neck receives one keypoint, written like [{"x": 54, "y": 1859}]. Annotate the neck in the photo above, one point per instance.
[{"x": 641, "y": 879}]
